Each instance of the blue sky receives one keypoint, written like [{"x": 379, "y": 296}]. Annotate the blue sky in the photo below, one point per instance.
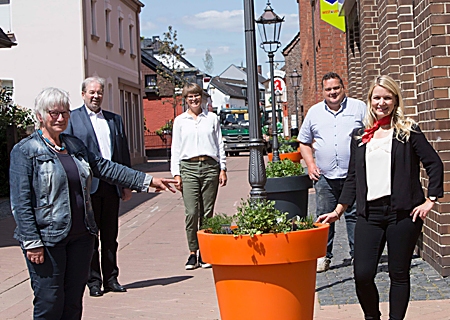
[{"x": 217, "y": 25}]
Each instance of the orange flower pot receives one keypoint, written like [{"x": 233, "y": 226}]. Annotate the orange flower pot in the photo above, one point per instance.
[
  {"x": 294, "y": 156},
  {"x": 268, "y": 276}
]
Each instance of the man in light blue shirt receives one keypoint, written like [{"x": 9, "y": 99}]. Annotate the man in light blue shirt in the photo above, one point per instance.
[{"x": 325, "y": 138}]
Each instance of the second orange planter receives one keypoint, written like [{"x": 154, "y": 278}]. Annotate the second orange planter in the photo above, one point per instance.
[{"x": 294, "y": 156}]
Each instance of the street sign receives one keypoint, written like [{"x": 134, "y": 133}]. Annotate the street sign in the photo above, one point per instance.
[
  {"x": 329, "y": 12},
  {"x": 279, "y": 85}
]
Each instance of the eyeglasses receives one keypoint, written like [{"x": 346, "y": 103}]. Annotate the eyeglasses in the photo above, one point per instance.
[
  {"x": 193, "y": 96},
  {"x": 55, "y": 114}
]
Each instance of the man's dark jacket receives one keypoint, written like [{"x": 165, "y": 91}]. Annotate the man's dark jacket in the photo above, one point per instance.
[{"x": 80, "y": 126}]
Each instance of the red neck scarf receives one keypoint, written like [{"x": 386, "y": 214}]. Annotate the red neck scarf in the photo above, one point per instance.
[{"x": 368, "y": 133}]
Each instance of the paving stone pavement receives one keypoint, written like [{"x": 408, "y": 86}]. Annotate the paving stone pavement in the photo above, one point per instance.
[{"x": 337, "y": 286}]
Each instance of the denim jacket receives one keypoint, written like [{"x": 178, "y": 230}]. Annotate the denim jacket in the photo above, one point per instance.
[{"x": 40, "y": 189}]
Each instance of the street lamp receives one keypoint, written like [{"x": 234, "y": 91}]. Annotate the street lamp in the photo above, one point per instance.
[
  {"x": 257, "y": 169},
  {"x": 269, "y": 25},
  {"x": 295, "y": 82}
]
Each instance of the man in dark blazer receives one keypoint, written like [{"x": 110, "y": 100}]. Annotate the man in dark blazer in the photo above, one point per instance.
[{"x": 103, "y": 133}]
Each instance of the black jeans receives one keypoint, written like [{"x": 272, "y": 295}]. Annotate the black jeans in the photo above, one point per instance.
[
  {"x": 371, "y": 234},
  {"x": 58, "y": 283}
]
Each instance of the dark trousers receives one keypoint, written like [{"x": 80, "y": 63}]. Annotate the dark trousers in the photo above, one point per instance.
[
  {"x": 371, "y": 234},
  {"x": 105, "y": 203},
  {"x": 58, "y": 283}
]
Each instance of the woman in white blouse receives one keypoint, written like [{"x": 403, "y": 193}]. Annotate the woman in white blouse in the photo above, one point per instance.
[
  {"x": 384, "y": 178},
  {"x": 198, "y": 164}
]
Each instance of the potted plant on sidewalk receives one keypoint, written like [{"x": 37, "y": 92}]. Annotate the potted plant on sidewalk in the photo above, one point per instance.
[
  {"x": 288, "y": 185},
  {"x": 265, "y": 269},
  {"x": 288, "y": 149}
]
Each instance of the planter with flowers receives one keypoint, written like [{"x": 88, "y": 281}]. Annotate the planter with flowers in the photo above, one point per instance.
[
  {"x": 288, "y": 185},
  {"x": 288, "y": 149},
  {"x": 266, "y": 267}
]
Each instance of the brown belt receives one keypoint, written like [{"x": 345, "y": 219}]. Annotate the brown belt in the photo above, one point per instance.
[{"x": 200, "y": 158}]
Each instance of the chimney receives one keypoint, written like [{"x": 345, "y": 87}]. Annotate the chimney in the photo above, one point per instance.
[{"x": 259, "y": 69}]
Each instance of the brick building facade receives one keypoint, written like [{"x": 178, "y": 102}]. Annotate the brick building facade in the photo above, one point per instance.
[
  {"x": 292, "y": 57},
  {"x": 408, "y": 40}
]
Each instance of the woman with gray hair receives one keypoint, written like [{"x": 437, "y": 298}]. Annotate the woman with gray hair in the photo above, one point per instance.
[{"x": 50, "y": 177}]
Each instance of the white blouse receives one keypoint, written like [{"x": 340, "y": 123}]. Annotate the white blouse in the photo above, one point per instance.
[{"x": 378, "y": 167}]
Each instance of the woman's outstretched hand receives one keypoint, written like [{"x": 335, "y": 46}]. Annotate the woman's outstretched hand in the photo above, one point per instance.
[
  {"x": 161, "y": 184},
  {"x": 328, "y": 217}
]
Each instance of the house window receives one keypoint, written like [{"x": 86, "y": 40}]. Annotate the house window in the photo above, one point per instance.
[
  {"x": 244, "y": 92},
  {"x": 108, "y": 25},
  {"x": 93, "y": 18},
  {"x": 5, "y": 16},
  {"x": 150, "y": 80},
  {"x": 120, "y": 33},
  {"x": 261, "y": 95},
  {"x": 131, "y": 40},
  {"x": 110, "y": 96}
]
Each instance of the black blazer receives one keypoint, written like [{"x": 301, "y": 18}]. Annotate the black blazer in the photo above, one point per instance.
[
  {"x": 80, "y": 126},
  {"x": 406, "y": 189}
]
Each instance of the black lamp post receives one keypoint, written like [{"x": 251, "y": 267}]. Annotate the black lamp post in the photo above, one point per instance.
[
  {"x": 269, "y": 28},
  {"x": 257, "y": 169},
  {"x": 295, "y": 82}
]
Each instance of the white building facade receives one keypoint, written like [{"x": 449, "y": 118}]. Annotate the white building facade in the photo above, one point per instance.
[{"x": 59, "y": 43}]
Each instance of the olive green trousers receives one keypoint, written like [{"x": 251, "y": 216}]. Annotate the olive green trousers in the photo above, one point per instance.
[{"x": 200, "y": 183}]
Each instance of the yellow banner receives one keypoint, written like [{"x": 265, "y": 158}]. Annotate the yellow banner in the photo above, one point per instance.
[{"x": 329, "y": 12}]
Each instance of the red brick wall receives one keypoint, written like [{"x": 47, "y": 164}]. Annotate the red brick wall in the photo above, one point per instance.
[
  {"x": 431, "y": 21},
  {"x": 292, "y": 59},
  {"x": 323, "y": 50},
  {"x": 158, "y": 112},
  {"x": 354, "y": 87},
  {"x": 158, "y": 109}
]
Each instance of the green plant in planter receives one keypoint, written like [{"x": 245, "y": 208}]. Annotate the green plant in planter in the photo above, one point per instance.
[
  {"x": 220, "y": 223},
  {"x": 285, "y": 148},
  {"x": 284, "y": 168},
  {"x": 260, "y": 216},
  {"x": 256, "y": 217}
]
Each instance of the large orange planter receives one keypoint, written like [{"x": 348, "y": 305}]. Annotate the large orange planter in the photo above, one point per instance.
[
  {"x": 294, "y": 156},
  {"x": 269, "y": 276}
]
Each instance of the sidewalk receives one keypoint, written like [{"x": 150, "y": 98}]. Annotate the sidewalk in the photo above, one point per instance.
[{"x": 152, "y": 253}]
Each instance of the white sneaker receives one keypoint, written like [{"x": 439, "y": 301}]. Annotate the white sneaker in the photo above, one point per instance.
[
  {"x": 323, "y": 264},
  {"x": 202, "y": 264}
]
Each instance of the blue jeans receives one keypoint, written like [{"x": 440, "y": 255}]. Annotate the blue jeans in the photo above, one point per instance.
[
  {"x": 58, "y": 283},
  {"x": 327, "y": 196}
]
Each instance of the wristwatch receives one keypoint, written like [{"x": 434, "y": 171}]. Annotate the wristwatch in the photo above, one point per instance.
[{"x": 432, "y": 198}]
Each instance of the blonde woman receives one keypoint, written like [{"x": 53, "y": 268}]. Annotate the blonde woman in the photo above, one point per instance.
[{"x": 384, "y": 178}]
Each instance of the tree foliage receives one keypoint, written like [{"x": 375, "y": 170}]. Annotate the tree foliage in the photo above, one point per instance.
[
  {"x": 208, "y": 62},
  {"x": 14, "y": 121},
  {"x": 170, "y": 54}
]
